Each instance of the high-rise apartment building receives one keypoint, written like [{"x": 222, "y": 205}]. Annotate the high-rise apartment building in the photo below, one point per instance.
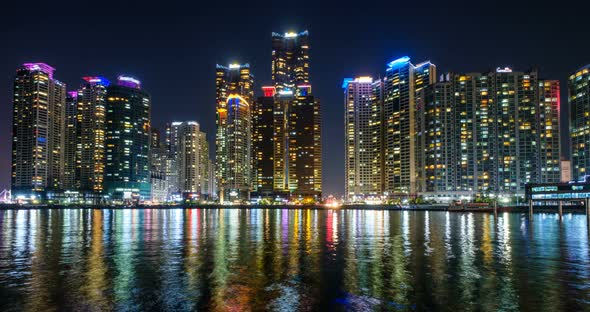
[
  {"x": 549, "y": 140},
  {"x": 127, "y": 166},
  {"x": 192, "y": 157},
  {"x": 287, "y": 152},
  {"x": 465, "y": 135},
  {"x": 288, "y": 147},
  {"x": 91, "y": 132},
  {"x": 263, "y": 133},
  {"x": 401, "y": 83},
  {"x": 158, "y": 160},
  {"x": 70, "y": 141},
  {"x": 304, "y": 145},
  {"x": 234, "y": 95},
  {"x": 171, "y": 168},
  {"x": 362, "y": 142},
  {"x": 37, "y": 131},
  {"x": 280, "y": 142},
  {"x": 579, "y": 100},
  {"x": 435, "y": 137},
  {"x": 488, "y": 134},
  {"x": 290, "y": 60}
]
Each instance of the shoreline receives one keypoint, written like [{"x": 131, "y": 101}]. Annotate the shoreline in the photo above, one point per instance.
[{"x": 509, "y": 209}]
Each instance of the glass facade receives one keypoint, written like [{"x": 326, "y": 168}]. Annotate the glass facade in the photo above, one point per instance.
[
  {"x": 37, "y": 131},
  {"x": 579, "y": 100},
  {"x": 362, "y": 181},
  {"x": 91, "y": 129},
  {"x": 127, "y": 165},
  {"x": 235, "y": 94},
  {"x": 402, "y": 87},
  {"x": 490, "y": 133}
]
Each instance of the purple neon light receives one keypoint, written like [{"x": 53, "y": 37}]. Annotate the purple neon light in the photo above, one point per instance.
[
  {"x": 41, "y": 67},
  {"x": 129, "y": 82}
]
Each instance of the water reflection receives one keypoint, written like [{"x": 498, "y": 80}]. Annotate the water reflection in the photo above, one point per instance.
[{"x": 290, "y": 260}]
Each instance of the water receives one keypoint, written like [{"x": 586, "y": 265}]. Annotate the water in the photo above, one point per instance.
[{"x": 291, "y": 260}]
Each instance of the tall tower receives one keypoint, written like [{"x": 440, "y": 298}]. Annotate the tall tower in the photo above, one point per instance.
[
  {"x": 91, "y": 112},
  {"x": 436, "y": 140},
  {"x": 127, "y": 169},
  {"x": 400, "y": 86},
  {"x": 192, "y": 150},
  {"x": 579, "y": 99},
  {"x": 158, "y": 161},
  {"x": 549, "y": 141},
  {"x": 37, "y": 130},
  {"x": 290, "y": 60},
  {"x": 304, "y": 145},
  {"x": 297, "y": 155},
  {"x": 516, "y": 99},
  {"x": 362, "y": 181},
  {"x": 71, "y": 141},
  {"x": 263, "y": 132},
  {"x": 234, "y": 95}
]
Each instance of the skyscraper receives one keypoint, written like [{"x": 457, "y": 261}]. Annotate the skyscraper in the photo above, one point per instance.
[
  {"x": 37, "y": 129},
  {"x": 234, "y": 94},
  {"x": 549, "y": 140},
  {"x": 192, "y": 150},
  {"x": 296, "y": 122},
  {"x": 158, "y": 178},
  {"x": 579, "y": 100},
  {"x": 436, "y": 140},
  {"x": 290, "y": 60},
  {"x": 363, "y": 181},
  {"x": 127, "y": 169},
  {"x": 516, "y": 128},
  {"x": 91, "y": 129},
  {"x": 280, "y": 123},
  {"x": 304, "y": 145},
  {"x": 263, "y": 132},
  {"x": 488, "y": 134},
  {"x": 70, "y": 141},
  {"x": 401, "y": 82},
  {"x": 171, "y": 167},
  {"x": 465, "y": 135}
]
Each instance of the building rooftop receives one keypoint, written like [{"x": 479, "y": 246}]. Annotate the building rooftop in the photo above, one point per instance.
[{"x": 40, "y": 67}]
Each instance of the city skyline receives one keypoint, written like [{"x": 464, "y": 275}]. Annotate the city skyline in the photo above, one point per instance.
[{"x": 328, "y": 69}]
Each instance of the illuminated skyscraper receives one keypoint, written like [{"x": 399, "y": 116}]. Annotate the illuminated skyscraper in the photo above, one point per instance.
[
  {"x": 488, "y": 134},
  {"x": 549, "y": 140},
  {"x": 158, "y": 178},
  {"x": 296, "y": 160},
  {"x": 290, "y": 60},
  {"x": 436, "y": 140},
  {"x": 304, "y": 145},
  {"x": 263, "y": 133},
  {"x": 234, "y": 94},
  {"x": 400, "y": 86},
  {"x": 37, "y": 129},
  {"x": 516, "y": 95},
  {"x": 363, "y": 178},
  {"x": 127, "y": 166},
  {"x": 91, "y": 127},
  {"x": 579, "y": 100},
  {"x": 171, "y": 168},
  {"x": 71, "y": 139},
  {"x": 192, "y": 150}
]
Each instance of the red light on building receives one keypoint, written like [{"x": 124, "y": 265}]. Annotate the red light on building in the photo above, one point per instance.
[{"x": 269, "y": 91}]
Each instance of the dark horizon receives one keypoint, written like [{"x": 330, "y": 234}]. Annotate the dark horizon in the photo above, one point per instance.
[{"x": 173, "y": 51}]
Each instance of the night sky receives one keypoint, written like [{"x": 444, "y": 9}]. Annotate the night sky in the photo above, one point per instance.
[{"x": 173, "y": 48}]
